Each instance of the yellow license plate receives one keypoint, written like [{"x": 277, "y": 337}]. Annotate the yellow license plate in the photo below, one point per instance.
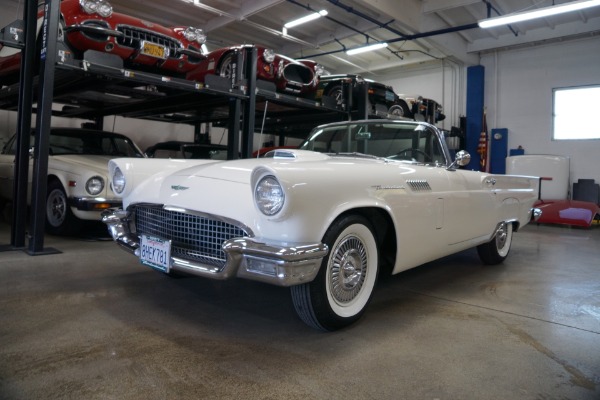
[{"x": 154, "y": 50}]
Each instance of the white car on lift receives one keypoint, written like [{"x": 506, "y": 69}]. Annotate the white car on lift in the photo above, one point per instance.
[
  {"x": 356, "y": 200},
  {"x": 77, "y": 175}
]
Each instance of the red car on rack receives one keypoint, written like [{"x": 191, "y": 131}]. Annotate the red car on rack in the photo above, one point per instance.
[
  {"x": 296, "y": 77},
  {"x": 143, "y": 45}
]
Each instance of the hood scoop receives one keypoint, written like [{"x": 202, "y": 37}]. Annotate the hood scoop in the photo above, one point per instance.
[
  {"x": 295, "y": 154},
  {"x": 282, "y": 154}
]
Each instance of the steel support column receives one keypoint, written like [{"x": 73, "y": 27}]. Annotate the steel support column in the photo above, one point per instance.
[{"x": 43, "y": 125}]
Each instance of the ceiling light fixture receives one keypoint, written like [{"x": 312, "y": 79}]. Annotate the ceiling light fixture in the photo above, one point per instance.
[
  {"x": 369, "y": 47},
  {"x": 537, "y": 13},
  {"x": 305, "y": 19}
]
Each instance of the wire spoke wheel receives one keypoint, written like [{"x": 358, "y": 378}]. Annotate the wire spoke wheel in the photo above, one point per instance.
[
  {"x": 348, "y": 270},
  {"x": 344, "y": 285}
]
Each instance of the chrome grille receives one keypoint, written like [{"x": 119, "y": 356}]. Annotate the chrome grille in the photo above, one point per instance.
[
  {"x": 132, "y": 36},
  {"x": 193, "y": 237}
]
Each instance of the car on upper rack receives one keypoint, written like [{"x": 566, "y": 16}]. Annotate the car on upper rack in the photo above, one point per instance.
[
  {"x": 295, "y": 77},
  {"x": 382, "y": 100},
  {"x": 77, "y": 175},
  {"x": 141, "y": 44},
  {"x": 424, "y": 109},
  {"x": 356, "y": 200},
  {"x": 180, "y": 149}
]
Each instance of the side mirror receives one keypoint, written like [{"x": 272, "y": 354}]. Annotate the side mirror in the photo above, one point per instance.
[{"x": 462, "y": 158}]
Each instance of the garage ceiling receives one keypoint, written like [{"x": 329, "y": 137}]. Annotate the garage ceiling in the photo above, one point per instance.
[{"x": 351, "y": 23}]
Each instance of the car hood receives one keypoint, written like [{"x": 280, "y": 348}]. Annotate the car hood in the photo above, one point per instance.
[
  {"x": 205, "y": 182},
  {"x": 89, "y": 162},
  {"x": 241, "y": 170}
]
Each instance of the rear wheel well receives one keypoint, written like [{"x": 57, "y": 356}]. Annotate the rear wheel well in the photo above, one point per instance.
[
  {"x": 52, "y": 178},
  {"x": 385, "y": 234}
]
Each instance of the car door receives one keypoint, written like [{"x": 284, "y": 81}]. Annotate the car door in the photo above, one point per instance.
[
  {"x": 472, "y": 208},
  {"x": 7, "y": 169}
]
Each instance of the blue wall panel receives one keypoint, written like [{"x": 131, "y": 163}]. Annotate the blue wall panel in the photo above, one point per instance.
[
  {"x": 499, "y": 150},
  {"x": 475, "y": 86}
]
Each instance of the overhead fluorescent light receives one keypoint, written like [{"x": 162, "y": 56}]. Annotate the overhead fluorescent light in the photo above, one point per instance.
[
  {"x": 369, "y": 47},
  {"x": 538, "y": 13},
  {"x": 305, "y": 19}
]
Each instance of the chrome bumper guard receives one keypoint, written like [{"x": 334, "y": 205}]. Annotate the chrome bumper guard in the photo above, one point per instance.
[
  {"x": 536, "y": 213},
  {"x": 93, "y": 29},
  {"x": 246, "y": 257}
]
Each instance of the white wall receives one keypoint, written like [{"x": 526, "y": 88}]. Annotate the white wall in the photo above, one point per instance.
[
  {"x": 440, "y": 80},
  {"x": 518, "y": 96}
]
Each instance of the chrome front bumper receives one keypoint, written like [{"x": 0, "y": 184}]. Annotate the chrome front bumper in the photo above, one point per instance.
[
  {"x": 93, "y": 203},
  {"x": 246, "y": 257}
]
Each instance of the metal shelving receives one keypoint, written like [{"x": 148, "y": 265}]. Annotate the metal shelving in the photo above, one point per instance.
[{"x": 97, "y": 85}]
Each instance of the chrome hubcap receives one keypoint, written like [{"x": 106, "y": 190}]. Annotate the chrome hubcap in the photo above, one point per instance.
[
  {"x": 501, "y": 236},
  {"x": 349, "y": 269}
]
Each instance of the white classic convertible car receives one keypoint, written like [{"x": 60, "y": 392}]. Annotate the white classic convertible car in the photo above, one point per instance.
[
  {"x": 356, "y": 200},
  {"x": 77, "y": 175}
]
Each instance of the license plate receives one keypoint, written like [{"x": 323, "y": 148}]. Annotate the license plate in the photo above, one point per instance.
[
  {"x": 154, "y": 50},
  {"x": 155, "y": 252}
]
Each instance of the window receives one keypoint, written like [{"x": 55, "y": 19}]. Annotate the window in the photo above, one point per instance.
[{"x": 573, "y": 108}]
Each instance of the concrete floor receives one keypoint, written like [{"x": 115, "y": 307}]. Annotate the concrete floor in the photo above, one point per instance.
[{"x": 92, "y": 323}]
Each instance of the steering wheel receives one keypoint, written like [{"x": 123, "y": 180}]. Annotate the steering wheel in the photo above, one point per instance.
[{"x": 399, "y": 155}]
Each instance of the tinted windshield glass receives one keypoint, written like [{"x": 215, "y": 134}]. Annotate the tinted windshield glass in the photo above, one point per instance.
[
  {"x": 92, "y": 144},
  {"x": 396, "y": 141}
]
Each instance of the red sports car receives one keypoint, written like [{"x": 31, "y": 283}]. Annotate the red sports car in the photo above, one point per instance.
[
  {"x": 92, "y": 25},
  {"x": 297, "y": 77}
]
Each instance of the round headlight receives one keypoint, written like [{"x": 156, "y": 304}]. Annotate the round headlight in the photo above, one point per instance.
[
  {"x": 190, "y": 34},
  {"x": 118, "y": 181},
  {"x": 269, "y": 196},
  {"x": 319, "y": 70},
  {"x": 105, "y": 9},
  {"x": 100, "y": 7},
  {"x": 94, "y": 185},
  {"x": 195, "y": 35},
  {"x": 200, "y": 36},
  {"x": 269, "y": 55}
]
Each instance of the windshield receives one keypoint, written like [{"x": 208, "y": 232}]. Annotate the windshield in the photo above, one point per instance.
[
  {"x": 92, "y": 144},
  {"x": 395, "y": 141},
  {"x": 85, "y": 142}
]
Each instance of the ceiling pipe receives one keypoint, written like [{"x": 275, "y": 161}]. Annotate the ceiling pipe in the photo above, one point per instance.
[
  {"x": 402, "y": 36},
  {"x": 368, "y": 18},
  {"x": 233, "y": 17},
  {"x": 410, "y": 37},
  {"x": 491, "y": 7},
  {"x": 328, "y": 17}
]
